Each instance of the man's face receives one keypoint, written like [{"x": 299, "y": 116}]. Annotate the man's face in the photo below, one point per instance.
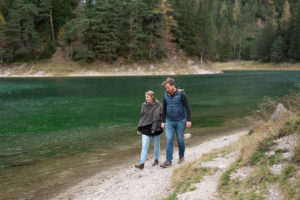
[{"x": 170, "y": 88}]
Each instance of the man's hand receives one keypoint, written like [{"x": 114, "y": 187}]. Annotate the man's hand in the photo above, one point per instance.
[
  {"x": 162, "y": 125},
  {"x": 139, "y": 132},
  {"x": 188, "y": 124}
]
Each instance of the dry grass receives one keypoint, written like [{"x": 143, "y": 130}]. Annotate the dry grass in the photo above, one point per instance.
[
  {"x": 59, "y": 66},
  {"x": 253, "y": 65},
  {"x": 253, "y": 148},
  {"x": 185, "y": 176}
]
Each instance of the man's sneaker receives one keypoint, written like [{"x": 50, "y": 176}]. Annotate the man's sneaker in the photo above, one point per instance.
[
  {"x": 155, "y": 163},
  {"x": 139, "y": 166},
  {"x": 181, "y": 160},
  {"x": 166, "y": 164}
]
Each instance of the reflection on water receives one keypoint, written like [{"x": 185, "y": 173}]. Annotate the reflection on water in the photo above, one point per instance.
[{"x": 57, "y": 131}]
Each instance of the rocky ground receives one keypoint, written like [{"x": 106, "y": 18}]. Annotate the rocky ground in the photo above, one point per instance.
[{"x": 126, "y": 182}]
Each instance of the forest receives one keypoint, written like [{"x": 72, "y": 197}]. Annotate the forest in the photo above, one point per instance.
[{"x": 106, "y": 30}]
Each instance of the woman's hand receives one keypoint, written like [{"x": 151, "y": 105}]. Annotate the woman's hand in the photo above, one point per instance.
[
  {"x": 139, "y": 132},
  {"x": 162, "y": 125}
]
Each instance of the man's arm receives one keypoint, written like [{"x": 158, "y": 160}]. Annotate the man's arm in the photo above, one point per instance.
[
  {"x": 187, "y": 106},
  {"x": 163, "y": 114}
]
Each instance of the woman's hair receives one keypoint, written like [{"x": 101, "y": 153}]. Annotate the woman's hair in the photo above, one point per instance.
[{"x": 151, "y": 94}]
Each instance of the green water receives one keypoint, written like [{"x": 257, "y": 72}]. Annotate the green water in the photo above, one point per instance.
[{"x": 70, "y": 128}]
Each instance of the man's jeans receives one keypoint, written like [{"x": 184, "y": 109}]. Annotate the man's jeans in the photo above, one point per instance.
[
  {"x": 146, "y": 142},
  {"x": 172, "y": 127}
]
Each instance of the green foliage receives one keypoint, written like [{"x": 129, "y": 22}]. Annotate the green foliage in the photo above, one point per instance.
[
  {"x": 263, "y": 147},
  {"x": 83, "y": 54},
  {"x": 264, "y": 43},
  {"x": 278, "y": 50},
  {"x": 172, "y": 196},
  {"x": 48, "y": 51},
  {"x": 144, "y": 29}
]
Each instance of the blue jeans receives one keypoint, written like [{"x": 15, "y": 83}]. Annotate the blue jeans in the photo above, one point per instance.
[
  {"x": 172, "y": 127},
  {"x": 145, "y": 146}
]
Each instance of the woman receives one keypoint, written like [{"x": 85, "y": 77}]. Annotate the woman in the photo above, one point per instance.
[{"x": 150, "y": 127}]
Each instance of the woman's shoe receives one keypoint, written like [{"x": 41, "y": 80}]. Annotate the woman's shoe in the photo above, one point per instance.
[
  {"x": 139, "y": 166},
  {"x": 155, "y": 163}
]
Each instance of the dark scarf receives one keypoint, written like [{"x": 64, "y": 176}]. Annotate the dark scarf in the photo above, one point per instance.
[{"x": 151, "y": 114}]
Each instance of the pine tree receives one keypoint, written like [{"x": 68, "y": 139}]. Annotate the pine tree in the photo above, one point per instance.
[
  {"x": 46, "y": 18},
  {"x": 169, "y": 23},
  {"x": 264, "y": 43},
  {"x": 204, "y": 30},
  {"x": 137, "y": 11},
  {"x": 20, "y": 31},
  {"x": 75, "y": 36},
  {"x": 278, "y": 50},
  {"x": 186, "y": 21},
  {"x": 294, "y": 48},
  {"x": 103, "y": 23},
  {"x": 236, "y": 29},
  {"x": 156, "y": 31},
  {"x": 13, "y": 29},
  {"x": 286, "y": 16},
  {"x": 2, "y": 42},
  {"x": 225, "y": 50},
  {"x": 29, "y": 35}
]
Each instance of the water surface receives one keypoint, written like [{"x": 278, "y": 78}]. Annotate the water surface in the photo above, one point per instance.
[{"x": 70, "y": 128}]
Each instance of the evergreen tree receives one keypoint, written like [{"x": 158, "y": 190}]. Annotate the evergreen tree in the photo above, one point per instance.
[
  {"x": 225, "y": 48},
  {"x": 278, "y": 50},
  {"x": 264, "y": 42},
  {"x": 2, "y": 42},
  {"x": 204, "y": 30},
  {"x": 286, "y": 16},
  {"x": 103, "y": 23},
  {"x": 75, "y": 36},
  {"x": 137, "y": 11},
  {"x": 294, "y": 48},
  {"x": 156, "y": 30},
  {"x": 168, "y": 22},
  {"x": 186, "y": 31},
  {"x": 13, "y": 30},
  {"x": 29, "y": 35}
]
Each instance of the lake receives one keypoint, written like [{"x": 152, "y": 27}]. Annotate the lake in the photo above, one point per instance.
[{"x": 68, "y": 128}]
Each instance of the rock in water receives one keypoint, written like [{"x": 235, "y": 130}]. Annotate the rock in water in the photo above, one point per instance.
[
  {"x": 24, "y": 162},
  {"x": 187, "y": 136},
  {"x": 279, "y": 113}
]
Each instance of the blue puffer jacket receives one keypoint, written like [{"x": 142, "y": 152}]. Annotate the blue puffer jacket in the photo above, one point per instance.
[{"x": 174, "y": 106}]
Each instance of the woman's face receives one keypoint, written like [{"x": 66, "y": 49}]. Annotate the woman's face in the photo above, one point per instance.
[{"x": 148, "y": 99}]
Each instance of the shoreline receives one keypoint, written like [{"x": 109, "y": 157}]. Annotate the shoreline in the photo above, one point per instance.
[
  {"x": 53, "y": 68},
  {"x": 95, "y": 74},
  {"x": 126, "y": 182}
]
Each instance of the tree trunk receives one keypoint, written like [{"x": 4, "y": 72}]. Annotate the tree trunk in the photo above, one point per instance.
[
  {"x": 201, "y": 58},
  {"x": 1, "y": 56},
  {"x": 20, "y": 43},
  {"x": 151, "y": 42},
  {"x": 52, "y": 27},
  {"x": 71, "y": 47},
  {"x": 240, "y": 48}
]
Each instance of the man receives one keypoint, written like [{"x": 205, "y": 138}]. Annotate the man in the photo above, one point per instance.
[{"x": 175, "y": 103}]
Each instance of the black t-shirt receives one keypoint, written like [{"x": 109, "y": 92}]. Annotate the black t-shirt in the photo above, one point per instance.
[{"x": 146, "y": 130}]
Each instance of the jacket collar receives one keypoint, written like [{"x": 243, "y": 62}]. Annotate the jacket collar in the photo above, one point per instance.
[{"x": 173, "y": 94}]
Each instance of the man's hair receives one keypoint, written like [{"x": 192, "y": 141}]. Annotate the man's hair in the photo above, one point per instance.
[{"x": 169, "y": 81}]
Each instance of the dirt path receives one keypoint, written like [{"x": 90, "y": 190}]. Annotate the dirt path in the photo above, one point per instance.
[{"x": 126, "y": 182}]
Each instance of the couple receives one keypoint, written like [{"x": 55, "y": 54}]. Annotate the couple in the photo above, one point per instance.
[{"x": 171, "y": 116}]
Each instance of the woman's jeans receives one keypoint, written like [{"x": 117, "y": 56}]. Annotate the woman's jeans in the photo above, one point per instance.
[
  {"x": 146, "y": 142},
  {"x": 172, "y": 127}
]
